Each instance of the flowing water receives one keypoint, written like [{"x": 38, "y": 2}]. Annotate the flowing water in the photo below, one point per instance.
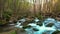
[{"x": 36, "y": 29}]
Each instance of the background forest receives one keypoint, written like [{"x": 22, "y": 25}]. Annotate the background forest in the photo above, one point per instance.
[{"x": 12, "y": 10}]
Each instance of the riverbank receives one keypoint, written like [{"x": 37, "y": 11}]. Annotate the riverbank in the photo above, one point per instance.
[{"x": 9, "y": 32}]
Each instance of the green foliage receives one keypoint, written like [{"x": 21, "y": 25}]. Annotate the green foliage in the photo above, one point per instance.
[
  {"x": 39, "y": 16},
  {"x": 7, "y": 14},
  {"x": 2, "y": 22},
  {"x": 58, "y": 6},
  {"x": 56, "y": 10},
  {"x": 13, "y": 32}
]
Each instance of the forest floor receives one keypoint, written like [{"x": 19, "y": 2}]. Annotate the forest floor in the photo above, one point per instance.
[
  {"x": 13, "y": 32},
  {"x": 8, "y": 32}
]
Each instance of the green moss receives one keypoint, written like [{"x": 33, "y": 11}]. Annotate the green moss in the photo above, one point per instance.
[
  {"x": 13, "y": 32},
  {"x": 3, "y": 22}
]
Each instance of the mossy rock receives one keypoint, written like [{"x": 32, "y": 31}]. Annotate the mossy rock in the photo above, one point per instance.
[
  {"x": 50, "y": 25},
  {"x": 56, "y": 32},
  {"x": 40, "y": 24},
  {"x": 35, "y": 29},
  {"x": 26, "y": 27},
  {"x": 3, "y": 22}
]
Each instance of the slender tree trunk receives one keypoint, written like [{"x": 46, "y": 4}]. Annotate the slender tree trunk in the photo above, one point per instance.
[
  {"x": 2, "y": 3},
  {"x": 14, "y": 15},
  {"x": 34, "y": 7}
]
